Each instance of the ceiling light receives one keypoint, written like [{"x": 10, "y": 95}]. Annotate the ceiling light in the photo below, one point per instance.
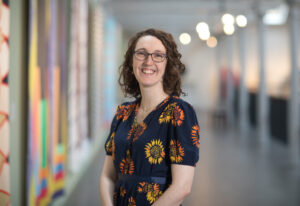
[
  {"x": 277, "y": 16},
  {"x": 185, "y": 38},
  {"x": 212, "y": 42},
  {"x": 228, "y": 29},
  {"x": 204, "y": 35},
  {"x": 241, "y": 21},
  {"x": 227, "y": 19},
  {"x": 202, "y": 26}
]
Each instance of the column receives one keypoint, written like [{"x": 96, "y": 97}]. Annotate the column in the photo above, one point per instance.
[
  {"x": 294, "y": 115},
  {"x": 262, "y": 100},
  {"x": 243, "y": 95},
  {"x": 229, "y": 81}
]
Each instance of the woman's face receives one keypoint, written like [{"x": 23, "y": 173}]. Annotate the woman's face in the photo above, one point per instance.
[{"x": 149, "y": 73}]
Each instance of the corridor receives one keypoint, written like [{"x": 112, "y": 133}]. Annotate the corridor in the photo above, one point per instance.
[
  {"x": 59, "y": 70},
  {"x": 234, "y": 169}
]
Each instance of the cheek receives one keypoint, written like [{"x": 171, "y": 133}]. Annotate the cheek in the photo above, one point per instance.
[{"x": 163, "y": 68}]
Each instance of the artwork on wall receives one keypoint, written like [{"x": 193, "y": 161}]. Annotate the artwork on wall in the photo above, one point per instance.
[
  {"x": 78, "y": 141},
  {"x": 47, "y": 125},
  {"x": 96, "y": 43},
  {"x": 4, "y": 103}
]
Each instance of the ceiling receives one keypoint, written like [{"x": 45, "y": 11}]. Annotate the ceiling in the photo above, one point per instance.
[{"x": 178, "y": 16}]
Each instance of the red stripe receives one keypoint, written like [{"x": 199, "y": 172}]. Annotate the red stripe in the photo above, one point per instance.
[
  {"x": 6, "y": 118},
  {"x": 59, "y": 175},
  {"x": 3, "y": 154},
  {"x": 4, "y": 192},
  {"x": 5, "y": 38}
]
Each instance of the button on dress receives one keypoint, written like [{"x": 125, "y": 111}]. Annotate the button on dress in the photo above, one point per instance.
[{"x": 143, "y": 153}]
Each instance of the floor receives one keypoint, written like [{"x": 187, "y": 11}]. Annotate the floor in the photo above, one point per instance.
[{"x": 234, "y": 169}]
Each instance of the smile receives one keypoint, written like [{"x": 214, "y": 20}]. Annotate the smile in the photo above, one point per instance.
[{"x": 147, "y": 71}]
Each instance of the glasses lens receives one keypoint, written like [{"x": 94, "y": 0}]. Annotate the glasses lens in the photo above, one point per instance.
[
  {"x": 158, "y": 57},
  {"x": 140, "y": 55}
]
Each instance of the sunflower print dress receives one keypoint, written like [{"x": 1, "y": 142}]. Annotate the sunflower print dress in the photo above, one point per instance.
[{"x": 143, "y": 153}]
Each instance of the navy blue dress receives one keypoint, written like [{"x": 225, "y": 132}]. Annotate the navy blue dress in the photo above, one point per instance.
[{"x": 143, "y": 153}]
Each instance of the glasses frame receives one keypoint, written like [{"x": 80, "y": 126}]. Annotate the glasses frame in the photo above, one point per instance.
[{"x": 150, "y": 54}]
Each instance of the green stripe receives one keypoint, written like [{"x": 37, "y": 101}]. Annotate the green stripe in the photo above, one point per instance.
[{"x": 44, "y": 129}]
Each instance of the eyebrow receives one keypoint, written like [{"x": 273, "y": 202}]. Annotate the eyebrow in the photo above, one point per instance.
[{"x": 143, "y": 49}]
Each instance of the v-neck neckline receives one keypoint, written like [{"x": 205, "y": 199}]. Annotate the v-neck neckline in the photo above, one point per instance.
[{"x": 145, "y": 120}]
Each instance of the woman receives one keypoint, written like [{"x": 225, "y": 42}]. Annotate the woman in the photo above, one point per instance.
[{"x": 153, "y": 145}]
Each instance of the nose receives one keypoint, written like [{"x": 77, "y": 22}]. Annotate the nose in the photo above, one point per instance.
[{"x": 148, "y": 60}]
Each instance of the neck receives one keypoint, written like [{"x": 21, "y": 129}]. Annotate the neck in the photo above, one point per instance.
[{"x": 151, "y": 98}]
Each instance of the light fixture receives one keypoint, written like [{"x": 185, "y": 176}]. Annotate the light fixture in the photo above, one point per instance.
[
  {"x": 204, "y": 35},
  {"x": 185, "y": 38},
  {"x": 227, "y": 19},
  {"x": 277, "y": 16},
  {"x": 241, "y": 21},
  {"x": 202, "y": 26},
  {"x": 228, "y": 29},
  {"x": 212, "y": 42}
]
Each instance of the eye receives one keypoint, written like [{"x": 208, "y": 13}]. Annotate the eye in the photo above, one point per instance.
[
  {"x": 141, "y": 53},
  {"x": 158, "y": 55}
]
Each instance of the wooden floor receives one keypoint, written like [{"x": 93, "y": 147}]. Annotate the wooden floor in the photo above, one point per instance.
[{"x": 234, "y": 170}]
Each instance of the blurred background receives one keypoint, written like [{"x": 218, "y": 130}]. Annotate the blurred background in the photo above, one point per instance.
[{"x": 59, "y": 63}]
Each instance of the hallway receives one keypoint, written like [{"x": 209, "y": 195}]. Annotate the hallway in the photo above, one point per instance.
[{"x": 233, "y": 170}]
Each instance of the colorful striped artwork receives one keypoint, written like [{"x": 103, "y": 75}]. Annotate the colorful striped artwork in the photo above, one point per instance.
[
  {"x": 4, "y": 104},
  {"x": 47, "y": 136}
]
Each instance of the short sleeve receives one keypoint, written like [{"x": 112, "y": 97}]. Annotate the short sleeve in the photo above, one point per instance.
[
  {"x": 109, "y": 143},
  {"x": 184, "y": 135}
]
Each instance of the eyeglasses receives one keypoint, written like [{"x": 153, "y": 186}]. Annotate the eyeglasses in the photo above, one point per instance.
[{"x": 156, "y": 57}]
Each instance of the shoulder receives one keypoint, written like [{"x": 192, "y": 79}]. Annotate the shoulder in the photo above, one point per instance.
[
  {"x": 181, "y": 103},
  {"x": 125, "y": 109}
]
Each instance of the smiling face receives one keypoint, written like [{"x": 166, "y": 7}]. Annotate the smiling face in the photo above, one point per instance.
[{"x": 147, "y": 72}]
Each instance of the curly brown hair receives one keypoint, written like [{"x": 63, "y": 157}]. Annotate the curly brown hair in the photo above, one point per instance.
[{"x": 174, "y": 67}]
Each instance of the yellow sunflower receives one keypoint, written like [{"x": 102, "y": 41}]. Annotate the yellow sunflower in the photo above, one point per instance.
[
  {"x": 151, "y": 189},
  {"x": 176, "y": 151},
  {"x": 126, "y": 165},
  {"x": 131, "y": 202},
  {"x": 155, "y": 152},
  {"x": 172, "y": 113},
  {"x": 167, "y": 114},
  {"x": 178, "y": 116},
  {"x": 195, "y": 135},
  {"x": 110, "y": 146},
  {"x": 153, "y": 193}
]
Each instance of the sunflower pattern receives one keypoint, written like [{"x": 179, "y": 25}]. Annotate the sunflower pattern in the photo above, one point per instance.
[
  {"x": 170, "y": 135},
  {"x": 126, "y": 165},
  {"x": 195, "y": 135},
  {"x": 110, "y": 145},
  {"x": 176, "y": 151},
  {"x": 151, "y": 189},
  {"x": 136, "y": 130},
  {"x": 122, "y": 192},
  {"x": 172, "y": 113},
  {"x": 124, "y": 111},
  {"x": 131, "y": 202},
  {"x": 155, "y": 152}
]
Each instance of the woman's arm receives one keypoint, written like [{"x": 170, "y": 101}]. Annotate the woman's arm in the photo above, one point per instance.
[
  {"x": 182, "y": 179},
  {"x": 107, "y": 182}
]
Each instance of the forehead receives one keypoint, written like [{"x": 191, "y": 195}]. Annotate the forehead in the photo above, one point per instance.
[{"x": 150, "y": 43}]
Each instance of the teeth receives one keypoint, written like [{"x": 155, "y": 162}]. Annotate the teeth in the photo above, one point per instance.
[{"x": 147, "y": 71}]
